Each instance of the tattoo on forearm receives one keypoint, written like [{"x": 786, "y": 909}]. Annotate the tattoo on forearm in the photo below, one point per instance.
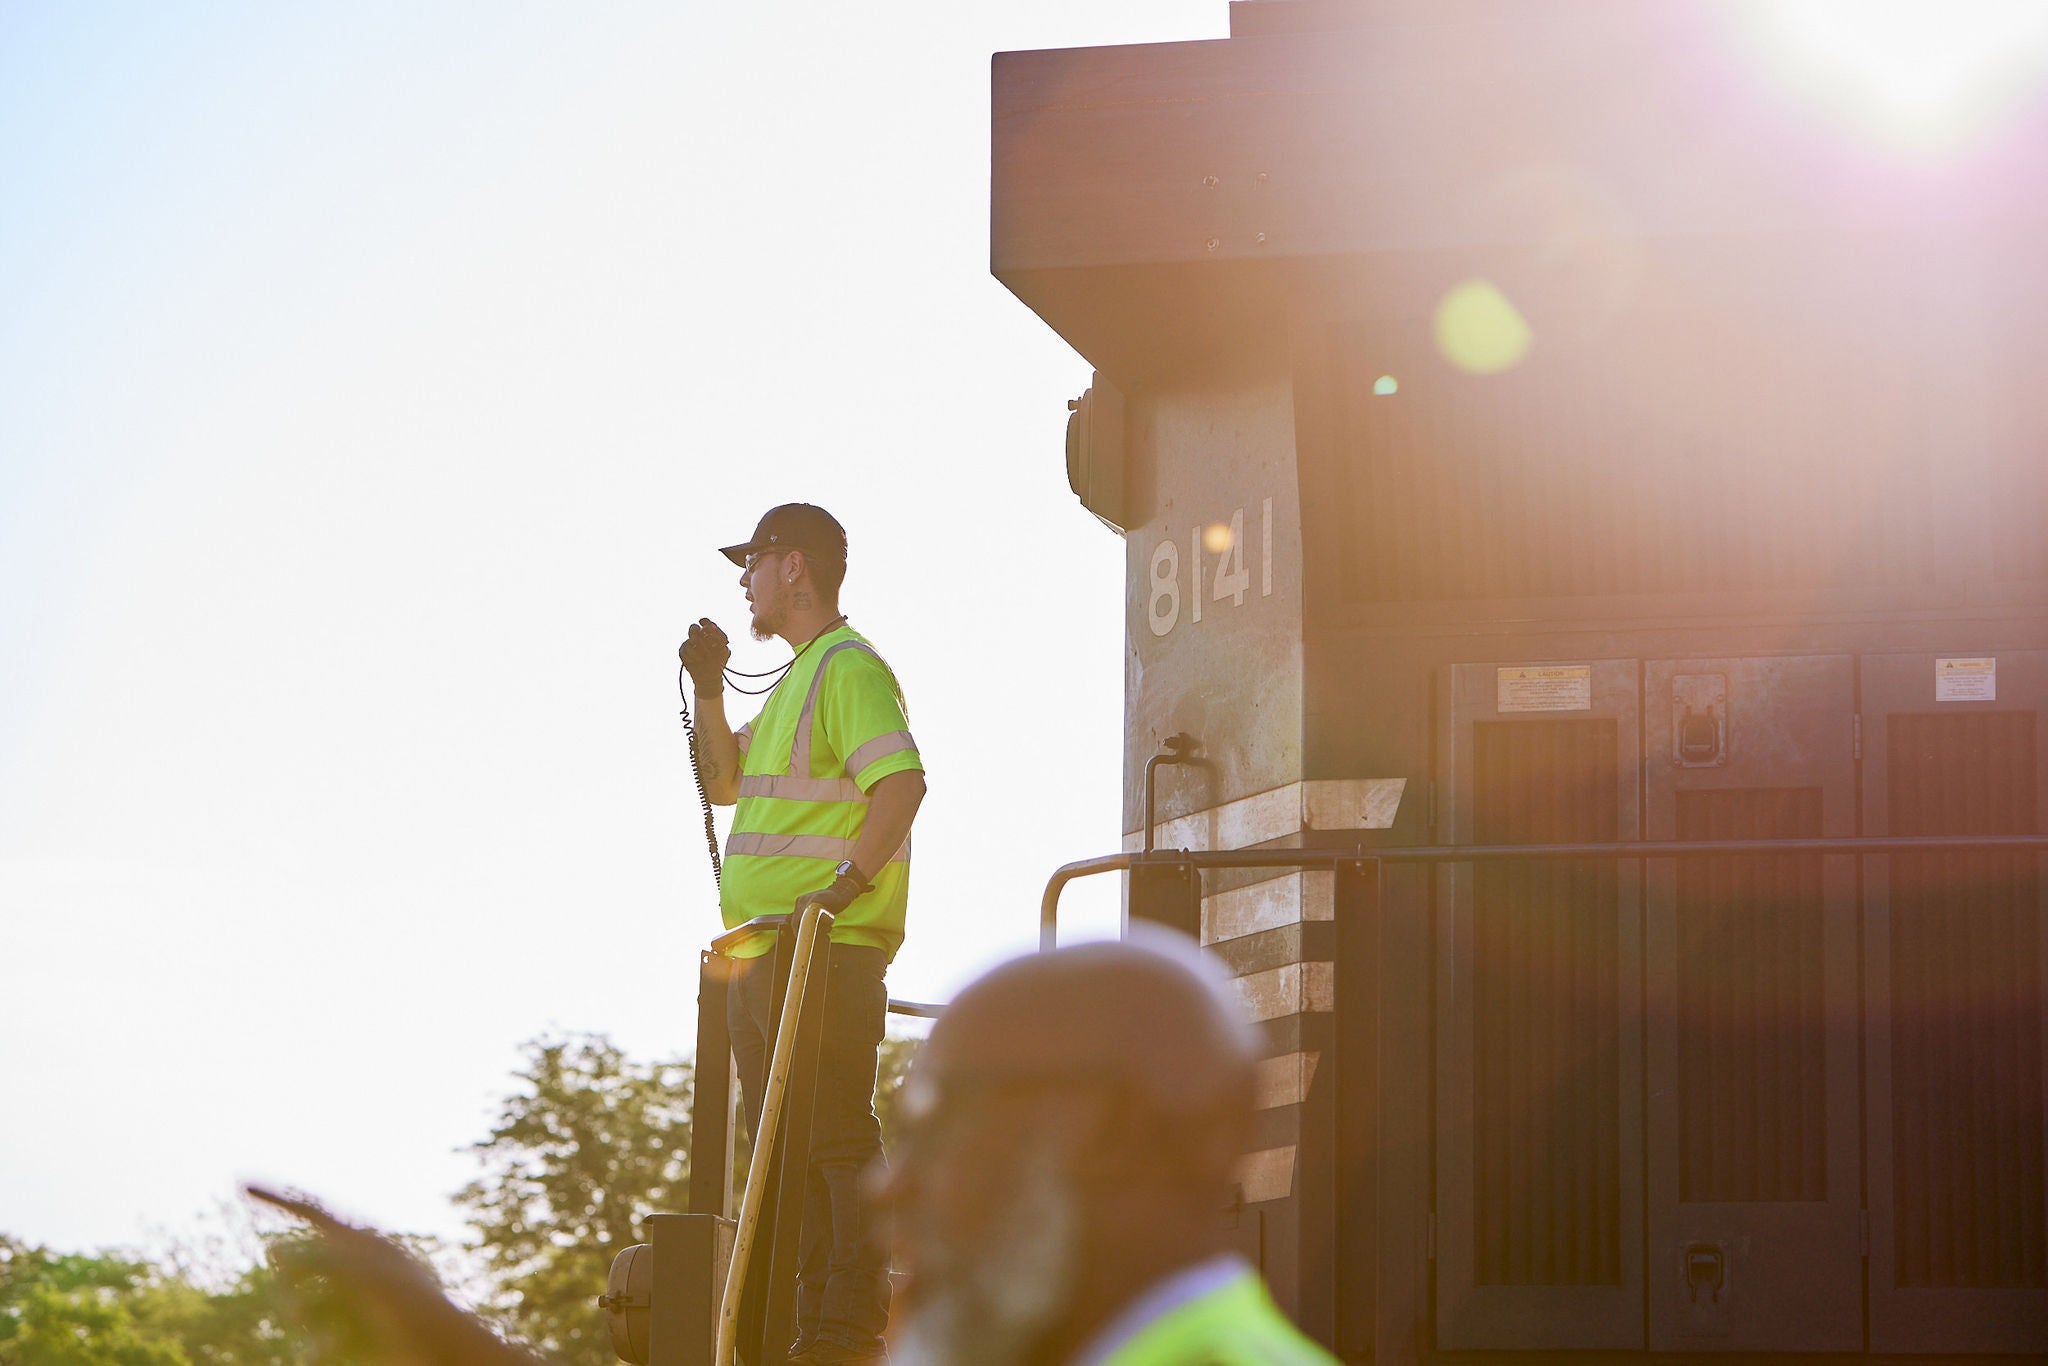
[{"x": 709, "y": 768}]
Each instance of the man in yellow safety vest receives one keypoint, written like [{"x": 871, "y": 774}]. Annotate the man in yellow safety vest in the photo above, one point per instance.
[{"x": 827, "y": 781}]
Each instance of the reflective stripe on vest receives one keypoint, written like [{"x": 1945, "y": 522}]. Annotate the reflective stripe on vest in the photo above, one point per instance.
[
  {"x": 800, "y": 743},
  {"x": 827, "y": 847},
  {"x": 791, "y": 788},
  {"x": 881, "y": 747}
]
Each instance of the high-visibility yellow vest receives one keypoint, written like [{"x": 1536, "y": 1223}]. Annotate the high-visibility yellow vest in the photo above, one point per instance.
[
  {"x": 831, "y": 730},
  {"x": 1236, "y": 1324}
]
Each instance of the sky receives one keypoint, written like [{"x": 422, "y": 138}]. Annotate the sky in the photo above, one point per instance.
[{"x": 378, "y": 381}]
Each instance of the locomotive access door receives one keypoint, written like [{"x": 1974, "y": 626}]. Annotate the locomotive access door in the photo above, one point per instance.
[
  {"x": 1954, "y": 966},
  {"x": 1539, "y": 1013},
  {"x": 1750, "y": 1003}
]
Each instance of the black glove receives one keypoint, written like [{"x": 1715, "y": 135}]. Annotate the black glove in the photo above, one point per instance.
[
  {"x": 705, "y": 655},
  {"x": 835, "y": 898}
]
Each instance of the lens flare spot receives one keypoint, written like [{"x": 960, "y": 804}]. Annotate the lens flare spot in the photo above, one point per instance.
[
  {"x": 1918, "y": 75},
  {"x": 1479, "y": 331},
  {"x": 1216, "y": 538},
  {"x": 1386, "y": 384}
]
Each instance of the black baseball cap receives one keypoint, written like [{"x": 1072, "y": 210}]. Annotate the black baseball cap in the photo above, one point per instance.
[{"x": 793, "y": 526}]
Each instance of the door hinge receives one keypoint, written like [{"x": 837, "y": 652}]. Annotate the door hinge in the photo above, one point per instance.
[
  {"x": 1863, "y": 1232},
  {"x": 1856, "y": 735},
  {"x": 1429, "y": 1235}
]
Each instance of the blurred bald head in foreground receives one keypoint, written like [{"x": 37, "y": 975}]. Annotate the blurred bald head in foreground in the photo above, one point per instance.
[{"x": 1072, "y": 1128}]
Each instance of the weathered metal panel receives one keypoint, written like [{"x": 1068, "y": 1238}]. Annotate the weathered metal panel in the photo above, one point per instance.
[
  {"x": 1752, "y": 1029},
  {"x": 691, "y": 1254},
  {"x": 1159, "y": 204},
  {"x": 1623, "y": 463},
  {"x": 1967, "y": 1122},
  {"x": 1405, "y": 135},
  {"x": 1213, "y": 630},
  {"x": 1751, "y": 987},
  {"x": 1546, "y": 985},
  {"x": 1539, "y": 1003},
  {"x": 1957, "y": 957}
]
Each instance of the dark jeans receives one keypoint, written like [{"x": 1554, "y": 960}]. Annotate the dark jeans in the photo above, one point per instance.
[{"x": 843, "y": 1286}]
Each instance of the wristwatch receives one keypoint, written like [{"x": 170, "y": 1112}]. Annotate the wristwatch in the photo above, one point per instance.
[{"x": 847, "y": 869}]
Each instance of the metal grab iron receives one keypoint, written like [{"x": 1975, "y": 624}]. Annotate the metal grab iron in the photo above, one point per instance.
[{"x": 809, "y": 925}]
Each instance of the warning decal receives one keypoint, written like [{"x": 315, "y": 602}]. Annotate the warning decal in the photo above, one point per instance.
[
  {"x": 1966, "y": 680},
  {"x": 1544, "y": 687}
]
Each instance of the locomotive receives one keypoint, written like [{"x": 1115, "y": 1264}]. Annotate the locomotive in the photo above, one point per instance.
[{"x": 1547, "y": 438}]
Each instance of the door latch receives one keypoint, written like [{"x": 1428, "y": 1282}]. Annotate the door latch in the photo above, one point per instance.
[
  {"x": 1706, "y": 1268},
  {"x": 1699, "y": 720}
]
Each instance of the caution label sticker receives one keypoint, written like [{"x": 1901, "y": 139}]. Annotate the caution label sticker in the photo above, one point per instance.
[
  {"x": 1966, "y": 680},
  {"x": 1544, "y": 687}
]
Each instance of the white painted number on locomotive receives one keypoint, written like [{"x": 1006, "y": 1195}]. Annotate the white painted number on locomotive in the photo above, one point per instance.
[
  {"x": 1164, "y": 613},
  {"x": 1232, "y": 577}
]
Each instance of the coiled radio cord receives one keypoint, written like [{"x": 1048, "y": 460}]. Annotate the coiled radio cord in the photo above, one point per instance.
[{"x": 697, "y": 774}]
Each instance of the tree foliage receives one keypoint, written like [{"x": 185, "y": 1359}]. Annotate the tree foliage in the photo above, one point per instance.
[
  {"x": 78, "y": 1310},
  {"x": 592, "y": 1144},
  {"x": 112, "y": 1309},
  {"x": 589, "y": 1145}
]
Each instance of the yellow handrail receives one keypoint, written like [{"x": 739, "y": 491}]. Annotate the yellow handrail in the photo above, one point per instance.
[{"x": 764, "y": 1137}]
